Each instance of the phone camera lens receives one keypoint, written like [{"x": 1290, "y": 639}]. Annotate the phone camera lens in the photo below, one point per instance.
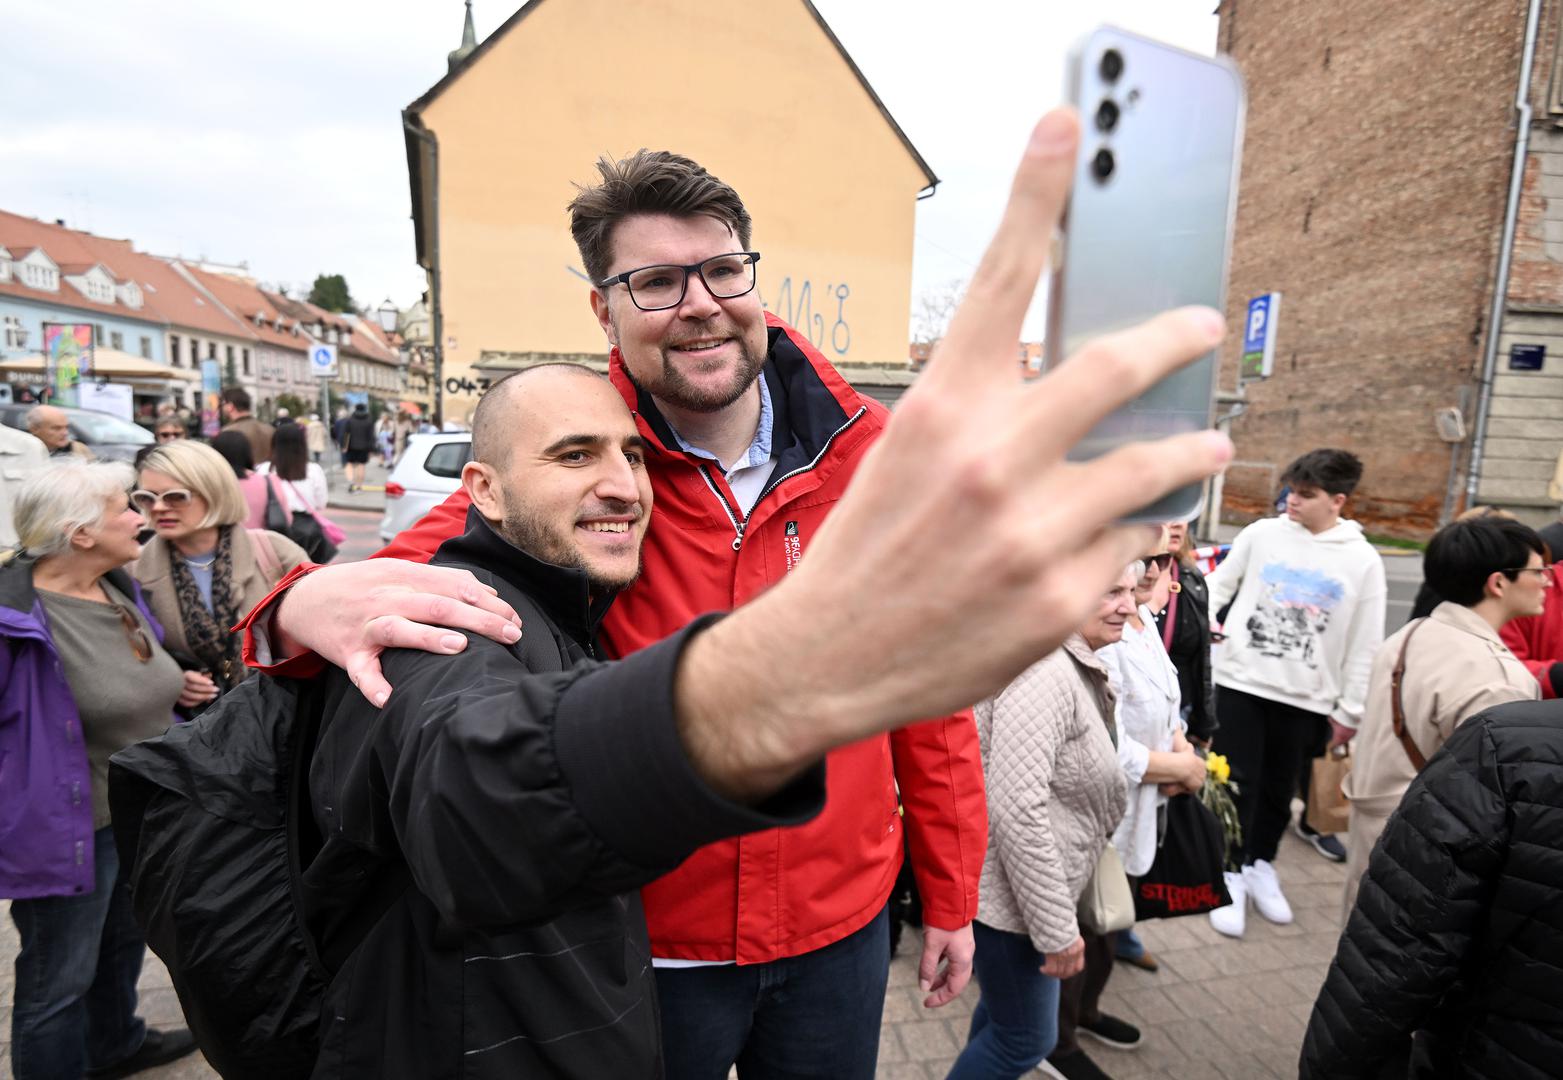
[
  {"x": 1102, "y": 164},
  {"x": 1106, "y": 116},
  {"x": 1112, "y": 65}
]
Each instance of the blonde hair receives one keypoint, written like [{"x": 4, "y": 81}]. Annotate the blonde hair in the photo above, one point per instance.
[
  {"x": 207, "y": 474},
  {"x": 56, "y": 502}
]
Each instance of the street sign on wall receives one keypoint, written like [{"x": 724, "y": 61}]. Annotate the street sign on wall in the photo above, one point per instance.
[
  {"x": 1527, "y": 357},
  {"x": 1259, "y": 337},
  {"x": 322, "y": 361}
]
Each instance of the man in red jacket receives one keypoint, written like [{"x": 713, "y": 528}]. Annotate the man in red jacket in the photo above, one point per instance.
[
  {"x": 1538, "y": 639},
  {"x": 773, "y": 947}
]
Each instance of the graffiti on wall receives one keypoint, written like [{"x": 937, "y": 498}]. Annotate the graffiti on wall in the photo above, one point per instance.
[{"x": 821, "y": 317}]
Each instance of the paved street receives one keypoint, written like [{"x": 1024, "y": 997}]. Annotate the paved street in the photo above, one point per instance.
[{"x": 1218, "y": 1008}]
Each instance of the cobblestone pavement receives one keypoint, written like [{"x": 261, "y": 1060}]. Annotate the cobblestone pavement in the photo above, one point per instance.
[{"x": 1217, "y": 1009}]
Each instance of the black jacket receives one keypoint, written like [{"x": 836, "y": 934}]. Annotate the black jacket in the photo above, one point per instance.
[
  {"x": 1458, "y": 930},
  {"x": 530, "y": 792},
  {"x": 1190, "y": 651},
  {"x": 359, "y": 433}
]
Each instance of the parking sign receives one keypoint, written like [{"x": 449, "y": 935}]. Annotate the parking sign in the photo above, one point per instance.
[
  {"x": 1259, "y": 336},
  {"x": 322, "y": 361}
]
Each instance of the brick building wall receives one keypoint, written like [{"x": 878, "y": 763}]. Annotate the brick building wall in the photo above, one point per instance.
[{"x": 1373, "y": 186}]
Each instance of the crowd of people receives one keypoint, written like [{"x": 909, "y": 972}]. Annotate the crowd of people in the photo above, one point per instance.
[{"x": 640, "y": 839}]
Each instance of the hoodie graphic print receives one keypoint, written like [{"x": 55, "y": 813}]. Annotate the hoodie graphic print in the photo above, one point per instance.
[{"x": 1307, "y": 615}]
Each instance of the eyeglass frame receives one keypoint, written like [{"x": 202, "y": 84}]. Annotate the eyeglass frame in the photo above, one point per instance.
[
  {"x": 1161, "y": 560},
  {"x": 140, "y": 641},
  {"x": 624, "y": 279},
  {"x": 1548, "y": 574},
  {"x": 161, "y": 497}
]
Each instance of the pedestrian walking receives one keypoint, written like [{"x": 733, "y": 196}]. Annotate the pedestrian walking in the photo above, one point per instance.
[
  {"x": 358, "y": 441},
  {"x": 316, "y": 437},
  {"x": 83, "y": 674},
  {"x": 235, "y": 409},
  {"x": 303, "y": 482},
  {"x": 1436, "y": 673},
  {"x": 1055, "y": 793},
  {"x": 1307, "y": 599},
  {"x": 1537, "y": 640}
]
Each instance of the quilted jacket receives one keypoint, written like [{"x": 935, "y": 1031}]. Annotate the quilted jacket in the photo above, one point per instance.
[
  {"x": 1055, "y": 793},
  {"x": 1457, "y": 934}
]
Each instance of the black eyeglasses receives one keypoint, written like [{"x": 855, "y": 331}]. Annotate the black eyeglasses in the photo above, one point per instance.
[
  {"x": 140, "y": 643},
  {"x": 657, "y": 288},
  {"x": 1547, "y": 573},
  {"x": 1160, "y": 562}
]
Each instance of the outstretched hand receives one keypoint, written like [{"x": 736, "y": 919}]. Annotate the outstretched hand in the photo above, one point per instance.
[
  {"x": 968, "y": 546},
  {"x": 350, "y": 614}
]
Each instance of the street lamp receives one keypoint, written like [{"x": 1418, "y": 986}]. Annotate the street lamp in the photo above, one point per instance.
[{"x": 388, "y": 315}]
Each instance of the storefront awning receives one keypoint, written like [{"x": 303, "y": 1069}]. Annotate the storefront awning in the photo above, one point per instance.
[{"x": 108, "y": 364}]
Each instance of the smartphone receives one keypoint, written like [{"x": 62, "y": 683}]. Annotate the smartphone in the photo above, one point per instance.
[{"x": 1149, "y": 223}]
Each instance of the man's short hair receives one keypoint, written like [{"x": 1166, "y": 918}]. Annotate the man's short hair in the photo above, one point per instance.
[
  {"x": 1464, "y": 554},
  {"x": 238, "y": 397},
  {"x": 1334, "y": 471},
  {"x": 491, "y": 437},
  {"x": 648, "y": 182},
  {"x": 35, "y": 416}
]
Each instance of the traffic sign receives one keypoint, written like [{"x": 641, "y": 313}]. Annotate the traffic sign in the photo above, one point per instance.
[
  {"x": 322, "y": 360},
  {"x": 1259, "y": 337}
]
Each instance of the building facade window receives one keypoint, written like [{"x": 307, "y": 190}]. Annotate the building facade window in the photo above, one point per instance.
[
  {"x": 245, "y": 355},
  {"x": 13, "y": 332},
  {"x": 40, "y": 277},
  {"x": 173, "y": 349},
  {"x": 100, "y": 290},
  {"x": 146, "y": 347},
  {"x": 211, "y": 350},
  {"x": 97, "y": 333},
  {"x": 116, "y": 340}
]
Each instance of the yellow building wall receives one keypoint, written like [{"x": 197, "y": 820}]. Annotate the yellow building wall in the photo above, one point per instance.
[{"x": 755, "y": 92}]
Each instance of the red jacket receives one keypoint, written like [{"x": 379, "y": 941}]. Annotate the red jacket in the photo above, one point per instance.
[
  {"x": 1538, "y": 639},
  {"x": 786, "y": 891}
]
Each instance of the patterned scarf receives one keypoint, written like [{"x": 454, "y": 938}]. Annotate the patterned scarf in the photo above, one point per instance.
[{"x": 207, "y": 631}]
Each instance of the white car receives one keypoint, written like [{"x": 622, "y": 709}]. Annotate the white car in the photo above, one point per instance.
[{"x": 430, "y": 469}]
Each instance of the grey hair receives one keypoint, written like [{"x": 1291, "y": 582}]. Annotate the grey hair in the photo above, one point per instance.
[
  {"x": 1137, "y": 568},
  {"x": 58, "y": 500},
  {"x": 35, "y": 417}
]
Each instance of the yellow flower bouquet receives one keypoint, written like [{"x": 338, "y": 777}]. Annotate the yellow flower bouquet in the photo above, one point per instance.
[{"x": 1217, "y": 795}]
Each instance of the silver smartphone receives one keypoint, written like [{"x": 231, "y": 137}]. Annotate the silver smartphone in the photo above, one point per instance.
[{"x": 1149, "y": 222}]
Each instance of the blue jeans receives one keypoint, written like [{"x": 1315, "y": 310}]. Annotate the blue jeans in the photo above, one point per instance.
[
  {"x": 814, "y": 1015},
  {"x": 76, "y": 975},
  {"x": 1015, "y": 1023}
]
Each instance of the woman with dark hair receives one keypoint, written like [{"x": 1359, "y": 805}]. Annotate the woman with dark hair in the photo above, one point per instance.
[
  {"x": 235, "y": 450},
  {"x": 302, "y": 481},
  {"x": 1184, "y": 625}
]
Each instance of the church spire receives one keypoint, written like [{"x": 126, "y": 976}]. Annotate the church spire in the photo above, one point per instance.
[{"x": 469, "y": 41}]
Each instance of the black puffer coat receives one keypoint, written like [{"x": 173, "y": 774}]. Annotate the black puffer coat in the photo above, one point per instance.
[
  {"x": 1458, "y": 930},
  {"x": 1190, "y": 650}
]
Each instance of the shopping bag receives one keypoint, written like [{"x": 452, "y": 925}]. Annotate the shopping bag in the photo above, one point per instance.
[
  {"x": 1106, "y": 904},
  {"x": 1186, "y": 878},
  {"x": 1328, "y": 809}
]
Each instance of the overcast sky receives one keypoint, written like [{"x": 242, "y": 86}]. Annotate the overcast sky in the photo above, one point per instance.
[{"x": 270, "y": 133}]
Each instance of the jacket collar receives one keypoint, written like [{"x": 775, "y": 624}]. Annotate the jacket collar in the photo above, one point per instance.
[
  {"x": 810, "y": 400},
  {"x": 1463, "y": 618},
  {"x": 156, "y": 561},
  {"x": 1077, "y": 647},
  {"x": 19, "y": 598},
  {"x": 561, "y": 592}
]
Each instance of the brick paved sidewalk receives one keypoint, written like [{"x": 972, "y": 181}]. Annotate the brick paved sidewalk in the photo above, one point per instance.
[{"x": 1218, "y": 1008}]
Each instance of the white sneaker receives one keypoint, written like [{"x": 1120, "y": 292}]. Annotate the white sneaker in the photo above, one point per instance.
[
  {"x": 1265, "y": 888},
  {"x": 1231, "y": 920}
]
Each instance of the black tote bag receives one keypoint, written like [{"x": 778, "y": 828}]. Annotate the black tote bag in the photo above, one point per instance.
[{"x": 1186, "y": 877}]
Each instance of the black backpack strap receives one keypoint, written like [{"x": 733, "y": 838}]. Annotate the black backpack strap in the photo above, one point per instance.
[{"x": 304, "y": 843}]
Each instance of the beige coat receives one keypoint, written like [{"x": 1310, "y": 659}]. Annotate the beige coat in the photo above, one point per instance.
[
  {"x": 154, "y": 571},
  {"x": 1456, "y": 666},
  {"x": 1055, "y": 793}
]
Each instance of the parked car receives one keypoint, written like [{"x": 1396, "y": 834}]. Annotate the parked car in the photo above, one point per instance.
[
  {"x": 105, "y": 434},
  {"x": 430, "y": 469}
]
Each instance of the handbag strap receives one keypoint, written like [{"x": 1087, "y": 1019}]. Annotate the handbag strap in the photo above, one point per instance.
[
  {"x": 1172, "y": 611},
  {"x": 1397, "y": 712},
  {"x": 265, "y": 554}
]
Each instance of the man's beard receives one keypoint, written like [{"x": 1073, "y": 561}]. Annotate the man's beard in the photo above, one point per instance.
[
  {"x": 676, "y": 389},
  {"x": 532, "y": 535}
]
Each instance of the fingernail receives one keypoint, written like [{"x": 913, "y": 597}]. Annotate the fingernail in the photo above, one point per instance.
[
  {"x": 452, "y": 642},
  {"x": 923, "y": 985},
  {"x": 512, "y": 632},
  {"x": 1214, "y": 323},
  {"x": 1055, "y": 134},
  {"x": 379, "y": 699}
]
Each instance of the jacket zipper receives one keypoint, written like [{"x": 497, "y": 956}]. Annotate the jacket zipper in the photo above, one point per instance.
[{"x": 732, "y": 514}]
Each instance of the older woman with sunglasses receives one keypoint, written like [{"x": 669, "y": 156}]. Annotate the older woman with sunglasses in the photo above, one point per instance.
[
  {"x": 202, "y": 569},
  {"x": 82, "y": 676}
]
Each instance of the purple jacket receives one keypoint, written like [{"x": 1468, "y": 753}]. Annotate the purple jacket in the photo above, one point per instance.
[{"x": 45, "y": 783}]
